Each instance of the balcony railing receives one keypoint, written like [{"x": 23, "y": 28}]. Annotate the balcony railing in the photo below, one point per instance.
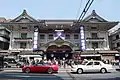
[
  {"x": 23, "y": 39},
  {"x": 95, "y": 39}
]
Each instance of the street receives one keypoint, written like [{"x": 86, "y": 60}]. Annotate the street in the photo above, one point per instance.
[{"x": 63, "y": 74}]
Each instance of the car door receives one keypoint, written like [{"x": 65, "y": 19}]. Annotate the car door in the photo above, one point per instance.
[
  {"x": 41, "y": 67},
  {"x": 89, "y": 67},
  {"x": 38, "y": 67},
  {"x": 96, "y": 66}
]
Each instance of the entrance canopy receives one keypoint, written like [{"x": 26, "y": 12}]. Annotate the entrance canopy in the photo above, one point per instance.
[{"x": 63, "y": 48}]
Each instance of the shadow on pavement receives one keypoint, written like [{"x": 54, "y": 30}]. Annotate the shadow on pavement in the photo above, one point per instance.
[
  {"x": 29, "y": 76},
  {"x": 90, "y": 72}
]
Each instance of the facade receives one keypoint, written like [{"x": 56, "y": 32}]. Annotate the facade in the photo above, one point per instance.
[
  {"x": 114, "y": 40},
  {"x": 61, "y": 38},
  {"x": 4, "y": 36}
]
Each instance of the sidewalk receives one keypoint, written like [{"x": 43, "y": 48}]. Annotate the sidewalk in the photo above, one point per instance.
[
  {"x": 117, "y": 68},
  {"x": 62, "y": 69},
  {"x": 11, "y": 70}
]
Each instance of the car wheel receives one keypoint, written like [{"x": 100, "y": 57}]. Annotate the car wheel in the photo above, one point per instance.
[
  {"x": 27, "y": 70},
  {"x": 103, "y": 70},
  {"x": 18, "y": 66},
  {"x": 79, "y": 71},
  {"x": 50, "y": 71},
  {"x": 5, "y": 65}
]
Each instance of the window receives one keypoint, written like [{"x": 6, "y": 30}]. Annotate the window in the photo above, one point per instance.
[
  {"x": 96, "y": 63},
  {"x": 76, "y": 36},
  {"x": 23, "y": 35},
  {"x": 67, "y": 36},
  {"x": 50, "y": 36},
  {"x": 94, "y": 44},
  {"x": 94, "y": 35},
  {"x": 23, "y": 45},
  {"x": 24, "y": 27},
  {"x": 93, "y": 27},
  {"x": 117, "y": 36},
  {"x": 42, "y": 36},
  {"x": 118, "y": 44},
  {"x": 90, "y": 63}
]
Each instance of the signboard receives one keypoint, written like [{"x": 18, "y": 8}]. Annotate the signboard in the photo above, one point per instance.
[
  {"x": 82, "y": 38},
  {"x": 35, "y": 43}
]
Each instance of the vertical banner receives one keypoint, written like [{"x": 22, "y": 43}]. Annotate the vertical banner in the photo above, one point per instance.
[
  {"x": 82, "y": 38},
  {"x": 35, "y": 38}
]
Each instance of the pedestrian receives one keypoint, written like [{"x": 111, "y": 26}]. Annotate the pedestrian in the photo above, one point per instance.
[{"x": 33, "y": 62}]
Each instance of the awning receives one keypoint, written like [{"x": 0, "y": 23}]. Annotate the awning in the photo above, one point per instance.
[
  {"x": 91, "y": 55},
  {"x": 108, "y": 51}
]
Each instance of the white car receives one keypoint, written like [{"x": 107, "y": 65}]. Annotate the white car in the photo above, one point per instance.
[{"x": 92, "y": 66}]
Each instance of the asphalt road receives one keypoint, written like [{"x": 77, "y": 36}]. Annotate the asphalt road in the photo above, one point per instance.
[{"x": 16, "y": 74}]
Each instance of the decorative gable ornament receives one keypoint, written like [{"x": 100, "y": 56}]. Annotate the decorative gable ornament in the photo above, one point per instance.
[
  {"x": 94, "y": 17},
  {"x": 24, "y": 17}
]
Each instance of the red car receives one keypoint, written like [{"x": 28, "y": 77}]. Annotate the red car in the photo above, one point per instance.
[{"x": 41, "y": 67}]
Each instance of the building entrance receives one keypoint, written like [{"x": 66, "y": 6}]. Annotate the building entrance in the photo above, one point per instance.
[{"x": 61, "y": 52}]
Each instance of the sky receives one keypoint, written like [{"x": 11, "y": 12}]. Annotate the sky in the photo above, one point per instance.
[{"x": 59, "y": 9}]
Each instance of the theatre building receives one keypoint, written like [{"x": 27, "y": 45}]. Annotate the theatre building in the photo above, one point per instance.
[{"x": 61, "y": 38}]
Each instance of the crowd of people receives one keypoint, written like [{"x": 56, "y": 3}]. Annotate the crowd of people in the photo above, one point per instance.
[
  {"x": 62, "y": 63},
  {"x": 65, "y": 62}
]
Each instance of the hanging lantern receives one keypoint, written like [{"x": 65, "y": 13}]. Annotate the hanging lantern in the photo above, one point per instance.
[
  {"x": 66, "y": 55},
  {"x": 52, "y": 55}
]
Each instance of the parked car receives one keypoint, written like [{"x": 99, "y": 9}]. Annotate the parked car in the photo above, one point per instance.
[
  {"x": 11, "y": 62},
  {"x": 92, "y": 66},
  {"x": 41, "y": 67}
]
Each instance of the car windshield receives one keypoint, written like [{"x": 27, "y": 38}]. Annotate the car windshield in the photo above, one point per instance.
[{"x": 84, "y": 62}]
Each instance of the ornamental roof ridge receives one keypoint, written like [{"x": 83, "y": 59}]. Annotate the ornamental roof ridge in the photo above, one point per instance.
[
  {"x": 94, "y": 16},
  {"x": 24, "y": 15}
]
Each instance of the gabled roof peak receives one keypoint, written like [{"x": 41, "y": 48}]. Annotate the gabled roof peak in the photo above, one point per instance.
[
  {"x": 24, "y": 15},
  {"x": 94, "y": 17},
  {"x": 24, "y": 12},
  {"x": 94, "y": 13}
]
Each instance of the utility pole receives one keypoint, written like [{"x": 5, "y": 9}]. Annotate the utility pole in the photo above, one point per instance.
[{"x": 94, "y": 51}]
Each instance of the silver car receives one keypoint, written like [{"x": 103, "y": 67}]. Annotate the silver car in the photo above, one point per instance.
[{"x": 92, "y": 66}]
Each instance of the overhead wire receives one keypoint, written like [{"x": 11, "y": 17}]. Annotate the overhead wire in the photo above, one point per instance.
[{"x": 87, "y": 6}]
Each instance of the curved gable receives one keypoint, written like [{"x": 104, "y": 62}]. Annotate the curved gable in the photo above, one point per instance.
[
  {"x": 24, "y": 17},
  {"x": 94, "y": 17}
]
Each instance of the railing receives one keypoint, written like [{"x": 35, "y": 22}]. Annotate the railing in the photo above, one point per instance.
[
  {"x": 23, "y": 39},
  {"x": 95, "y": 39}
]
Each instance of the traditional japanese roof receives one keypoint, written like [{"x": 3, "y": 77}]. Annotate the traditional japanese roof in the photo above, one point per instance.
[
  {"x": 2, "y": 19},
  {"x": 94, "y": 17},
  {"x": 23, "y": 16}
]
